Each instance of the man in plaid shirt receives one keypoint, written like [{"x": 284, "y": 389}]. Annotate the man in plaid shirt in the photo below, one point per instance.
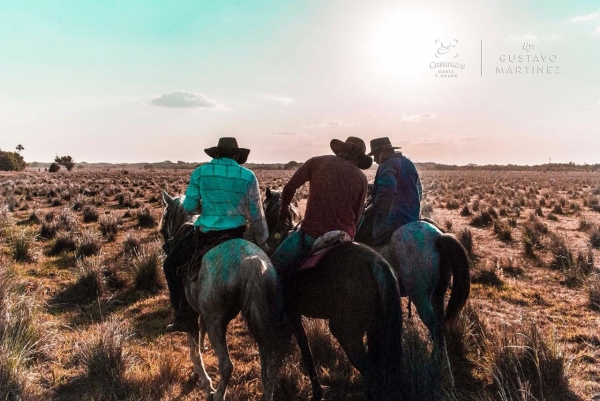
[{"x": 229, "y": 197}]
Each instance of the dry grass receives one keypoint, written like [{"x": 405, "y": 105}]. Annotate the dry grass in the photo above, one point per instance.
[{"x": 83, "y": 304}]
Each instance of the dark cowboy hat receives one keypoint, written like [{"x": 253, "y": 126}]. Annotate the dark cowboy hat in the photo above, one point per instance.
[
  {"x": 354, "y": 150},
  {"x": 228, "y": 147},
  {"x": 379, "y": 144}
]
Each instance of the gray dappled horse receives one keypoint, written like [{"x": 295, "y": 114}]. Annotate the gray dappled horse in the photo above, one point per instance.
[
  {"x": 356, "y": 290},
  {"x": 235, "y": 276},
  {"x": 424, "y": 259}
]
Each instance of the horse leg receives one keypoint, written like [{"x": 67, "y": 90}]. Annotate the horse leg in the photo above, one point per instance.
[
  {"x": 202, "y": 325},
  {"x": 216, "y": 329},
  {"x": 439, "y": 340},
  {"x": 428, "y": 317},
  {"x": 351, "y": 341},
  {"x": 199, "y": 369},
  {"x": 307, "y": 357},
  {"x": 268, "y": 371}
]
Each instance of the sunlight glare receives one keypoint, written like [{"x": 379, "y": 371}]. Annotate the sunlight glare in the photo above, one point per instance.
[{"x": 404, "y": 43}]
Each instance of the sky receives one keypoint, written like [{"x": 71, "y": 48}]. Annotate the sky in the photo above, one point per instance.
[{"x": 115, "y": 81}]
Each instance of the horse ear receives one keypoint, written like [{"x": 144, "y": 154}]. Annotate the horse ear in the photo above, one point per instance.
[
  {"x": 167, "y": 199},
  {"x": 268, "y": 193}
]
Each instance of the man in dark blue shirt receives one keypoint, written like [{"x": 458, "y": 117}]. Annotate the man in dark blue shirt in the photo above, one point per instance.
[{"x": 396, "y": 196}]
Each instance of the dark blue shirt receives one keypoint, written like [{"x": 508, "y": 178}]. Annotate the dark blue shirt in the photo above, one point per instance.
[{"x": 396, "y": 195}]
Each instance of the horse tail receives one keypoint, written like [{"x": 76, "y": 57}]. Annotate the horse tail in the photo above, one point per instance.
[
  {"x": 385, "y": 338},
  {"x": 453, "y": 258},
  {"x": 257, "y": 306}
]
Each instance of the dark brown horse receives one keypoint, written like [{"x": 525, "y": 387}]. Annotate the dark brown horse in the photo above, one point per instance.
[{"x": 356, "y": 289}]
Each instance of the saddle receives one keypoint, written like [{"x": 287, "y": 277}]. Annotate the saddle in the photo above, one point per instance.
[
  {"x": 321, "y": 247},
  {"x": 204, "y": 243}
]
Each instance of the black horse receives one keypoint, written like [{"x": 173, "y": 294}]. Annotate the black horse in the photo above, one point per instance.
[{"x": 356, "y": 289}]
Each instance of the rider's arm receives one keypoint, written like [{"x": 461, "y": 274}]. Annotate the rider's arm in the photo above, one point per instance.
[
  {"x": 255, "y": 214},
  {"x": 301, "y": 176},
  {"x": 359, "y": 206},
  {"x": 385, "y": 191},
  {"x": 192, "y": 195}
]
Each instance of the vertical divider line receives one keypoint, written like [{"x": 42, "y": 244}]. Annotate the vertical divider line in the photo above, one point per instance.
[{"x": 481, "y": 59}]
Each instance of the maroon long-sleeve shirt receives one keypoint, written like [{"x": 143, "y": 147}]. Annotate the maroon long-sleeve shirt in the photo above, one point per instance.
[{"x": 337, "y": 191}]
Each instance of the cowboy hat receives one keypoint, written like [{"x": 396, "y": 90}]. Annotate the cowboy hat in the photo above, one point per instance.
[
  {"x": 228, "y": 147},
  {"x": 354, "y": 149},
  {"x": 379, "y": 144}
]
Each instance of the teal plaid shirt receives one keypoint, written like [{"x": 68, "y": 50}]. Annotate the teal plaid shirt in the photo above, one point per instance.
[{"x": 229, "y": 197}]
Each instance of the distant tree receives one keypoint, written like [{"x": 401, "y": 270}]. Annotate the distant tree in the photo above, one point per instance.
[
  {"x": 148, "y": 166},
  {"x": 66, "y": 161},
  {"x": 291, "y": 165},
  {"x": 20, "y": 148},
  {"x": 54, "y": 167},
  {"x": 11, "y": 161}
]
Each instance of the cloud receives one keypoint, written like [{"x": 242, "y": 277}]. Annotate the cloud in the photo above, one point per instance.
[
  {"x": 596, "y": 32},
  {"x": 418, "y": 117},
  {"x": 184, "y": 100},
  {"x": 529, "y": 37},
  {"x": 289, "y": 133},
  {"x": 583, "y": 18},
  {"x": 333, "y": 123},
  {"x": 286, "y": 101},
  {"x": 595, "y": 105}
]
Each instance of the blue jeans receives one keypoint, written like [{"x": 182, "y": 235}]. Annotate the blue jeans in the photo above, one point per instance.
[{"x": 291, "y": 250}]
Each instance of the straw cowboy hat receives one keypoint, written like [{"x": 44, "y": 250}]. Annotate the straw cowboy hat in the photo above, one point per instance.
[
  {"x": 228, "y": 147},
  {"x": 353, "y": 149},
  {"x": 379, "y": 144}
]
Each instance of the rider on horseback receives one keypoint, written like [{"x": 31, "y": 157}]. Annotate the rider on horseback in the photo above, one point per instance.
[
  {"x": 396, "y": 196},
  {"x": 336, "y": 196},
  {"x": 229, "y": 197}
]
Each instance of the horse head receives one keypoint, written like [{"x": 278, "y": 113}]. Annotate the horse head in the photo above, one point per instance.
[
  {"x": 278, "y": 230},
  {"x": 173, "y": 219}
]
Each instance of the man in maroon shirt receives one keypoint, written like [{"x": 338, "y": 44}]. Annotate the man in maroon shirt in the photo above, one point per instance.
[{"x": 337, "y": 191}]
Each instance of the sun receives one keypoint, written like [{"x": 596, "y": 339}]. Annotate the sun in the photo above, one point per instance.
[{"x": 404, "y": 42}]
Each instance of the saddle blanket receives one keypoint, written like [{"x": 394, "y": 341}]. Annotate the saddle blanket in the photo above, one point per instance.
[{"x": 322, "y": 246}]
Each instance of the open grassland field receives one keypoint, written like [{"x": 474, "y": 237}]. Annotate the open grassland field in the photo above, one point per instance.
[{"x": 83, "y": 303}]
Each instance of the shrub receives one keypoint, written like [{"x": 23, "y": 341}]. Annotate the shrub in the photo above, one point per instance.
[
  {"x": 105, "y": 358},
  {"x": 88, "y": 244},
  {"x": 144, "y": 217},
  {"x": 557, "y": 209},
  {"x": 90, "y": 282},
  {"x": 109, "y": 227},
  {"x": 584, "y": 225},
  {"x": 147, "y": 270},
  {"x": 90, "y": 214},
  {"x": 64, "y": 242},
  {"x": 465, "y": 237},
  {"x": 54, "y": 167},
  {"x": 20, "y": 246},
  {"x": 483, "y": 219},
  {"x": 131, "y": 245},
  {"x": 465, "y": 211},
  {"x": 526, "y": 363},
  {"x": 452, "y": 205},
  {"x": 503, "y": 230},
  {"x": 19, "y": 337},
  {"x": 563, "y": 257}
]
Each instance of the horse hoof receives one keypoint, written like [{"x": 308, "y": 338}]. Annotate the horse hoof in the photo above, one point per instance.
[
  {"x": 210, "y": 396},
  {"x": 193, "y": 377}
]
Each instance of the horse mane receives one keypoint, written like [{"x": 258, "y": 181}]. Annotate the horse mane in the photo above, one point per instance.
[{"x": 174, "y": 219}]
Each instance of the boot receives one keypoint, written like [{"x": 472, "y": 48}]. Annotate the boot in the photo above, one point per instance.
[
  {"x": 281, "y": 317},
  {"x": 186, "y": 320}
]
